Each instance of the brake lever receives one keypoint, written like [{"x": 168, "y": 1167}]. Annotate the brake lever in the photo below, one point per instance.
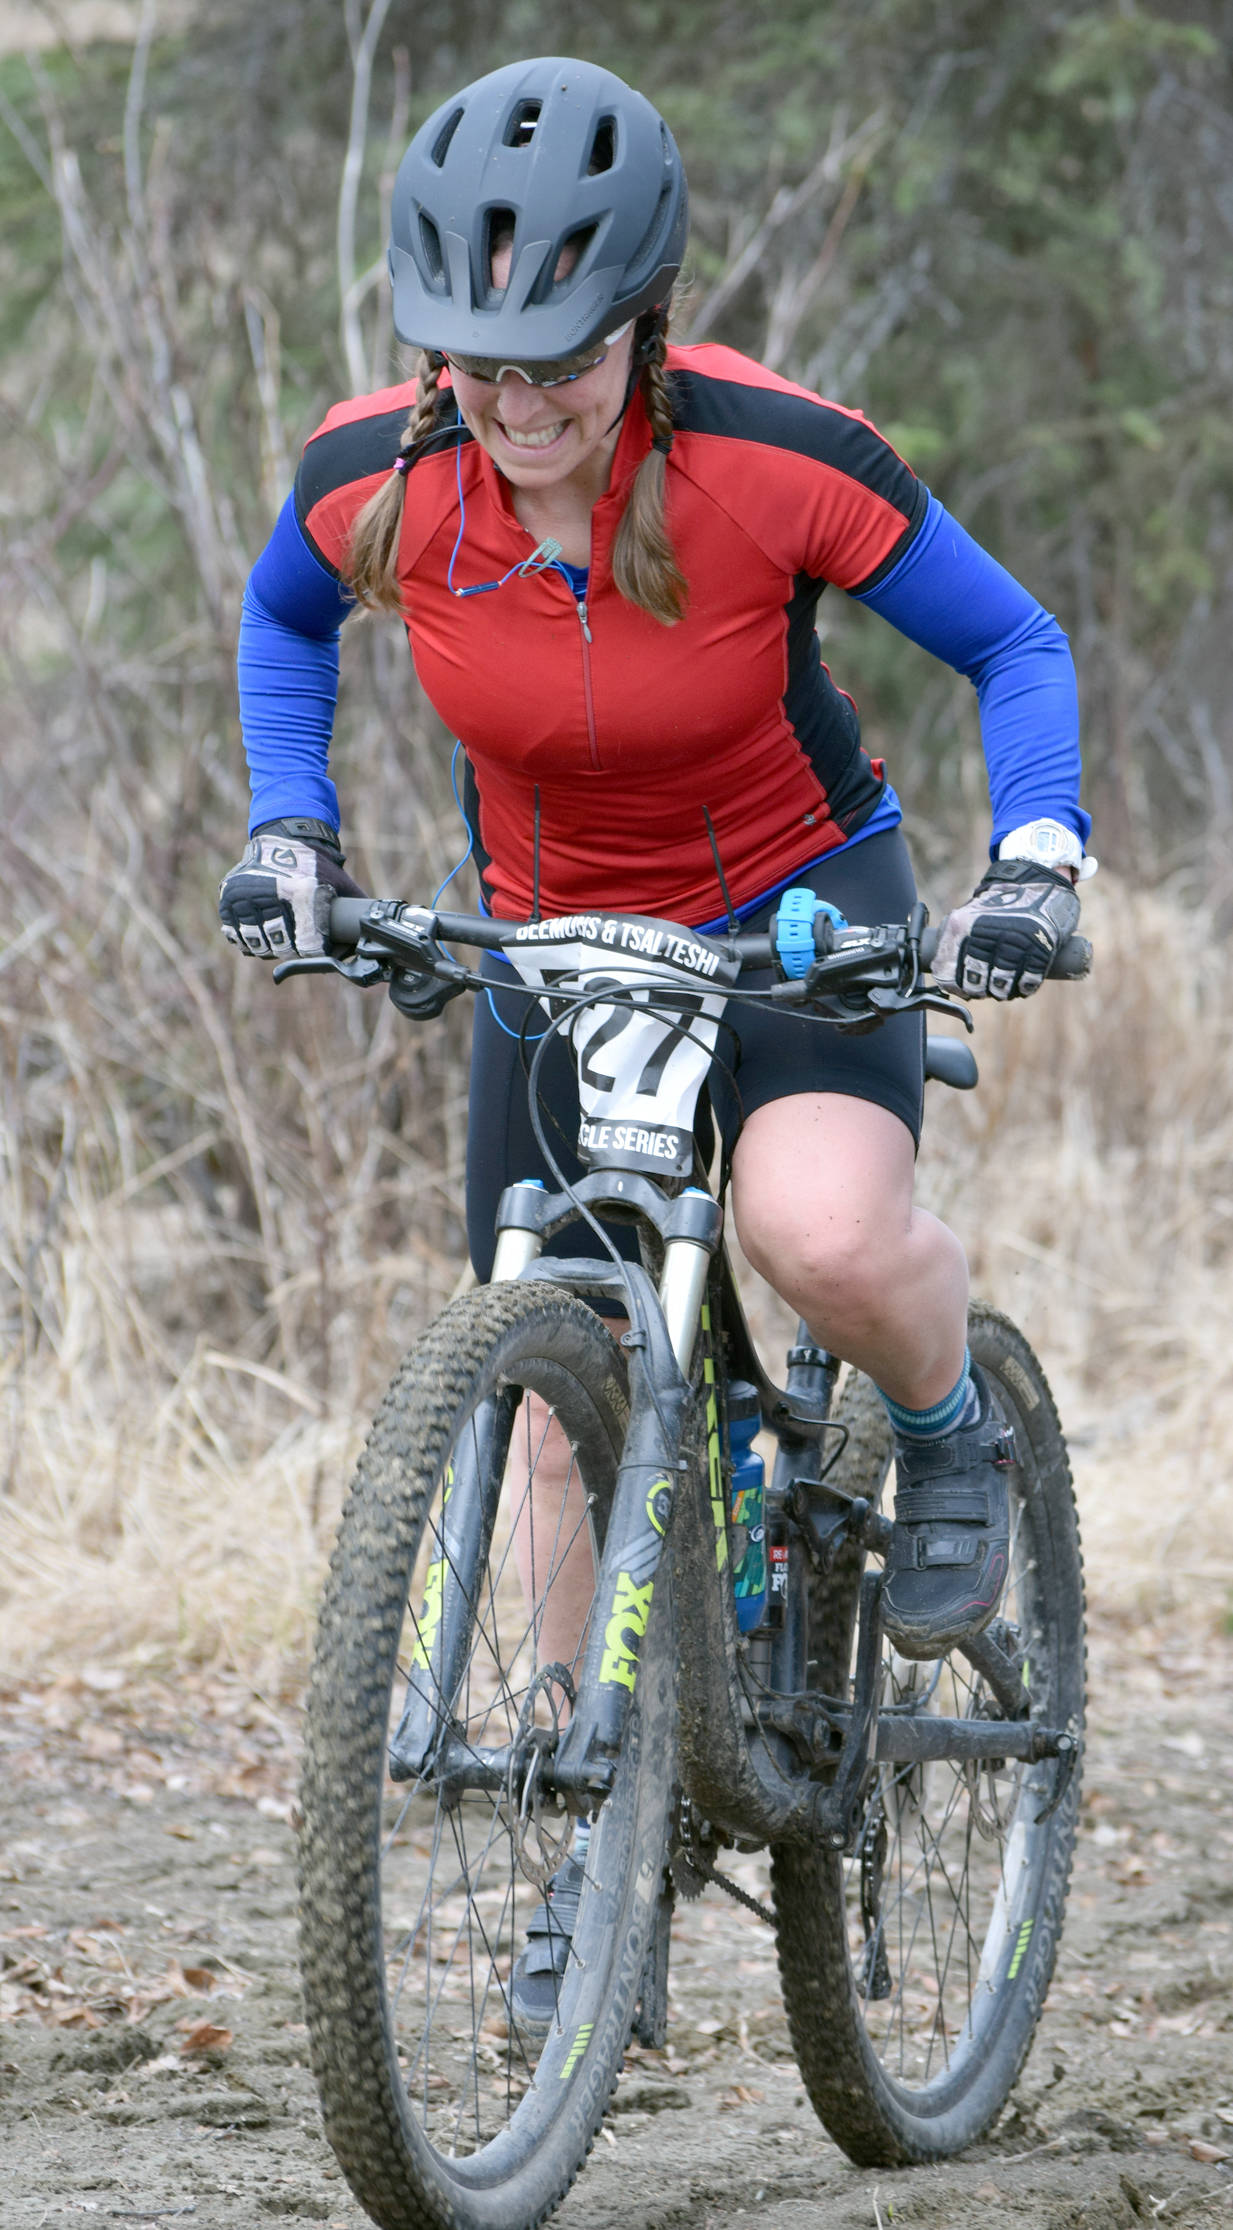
[
  {"x": 885, "y": 1000},
  {"x": 357, "y": 968}
]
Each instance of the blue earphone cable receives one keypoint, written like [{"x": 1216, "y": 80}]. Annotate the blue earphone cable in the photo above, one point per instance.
[
  {"x": 544, "y": 555},
  {"x": 466, "y": 824},
  {"x": 521, "y": 1036}
]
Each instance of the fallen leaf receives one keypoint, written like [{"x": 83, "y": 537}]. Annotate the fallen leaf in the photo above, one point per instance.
[
  {"x": 204, "y": 2036},
  {"x": 1199, "y": 2149},
  {"x": 201, "y": 1980}
]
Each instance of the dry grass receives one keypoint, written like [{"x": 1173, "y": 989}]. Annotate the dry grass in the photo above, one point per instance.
[
  {"x": 1091, "y": 1179},
  {"x": 187, "y": 1383},
  {"x": 224, "y": 1212}
]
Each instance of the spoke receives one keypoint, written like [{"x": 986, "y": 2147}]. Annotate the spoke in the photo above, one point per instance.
[
  {"x": 948, "y": 1824},
  {"x": 461, "y": 1863}
]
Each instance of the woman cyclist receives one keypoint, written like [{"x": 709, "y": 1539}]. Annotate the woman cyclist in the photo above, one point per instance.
[{"x": 608, "y": 552}]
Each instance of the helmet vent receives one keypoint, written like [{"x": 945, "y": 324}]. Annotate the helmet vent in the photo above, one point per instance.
[
  {"x": 653, "y": 231},
  {"x": 441, "y": 144},
  {"x": 520, "y": 130},
  {"x": 430, "y": 241},
  {"x": 499, "y": 232},
  {"x": 573, "y": 248},
  {"x": 603, "y": 147}
]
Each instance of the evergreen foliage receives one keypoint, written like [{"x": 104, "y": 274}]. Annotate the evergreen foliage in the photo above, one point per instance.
[{"x": 1016, "y": 259}]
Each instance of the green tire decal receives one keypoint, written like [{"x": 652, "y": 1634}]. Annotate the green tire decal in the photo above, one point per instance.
[
  {"x": 1021, "y": 1943},
  {"x": 576, "y": 2050}
]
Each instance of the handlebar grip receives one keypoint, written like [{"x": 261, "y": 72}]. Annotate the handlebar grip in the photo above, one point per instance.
[
  {"x": 346, "y": 917},
  {"x": 1072, "y": 961}
]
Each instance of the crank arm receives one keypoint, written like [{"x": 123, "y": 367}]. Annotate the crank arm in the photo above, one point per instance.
[
  {"x": 1002, "y": 1673},
  {"x": 837, "y": 1812}
]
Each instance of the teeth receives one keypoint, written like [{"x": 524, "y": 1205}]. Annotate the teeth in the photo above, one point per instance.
[{"x": 538, "y": 440}]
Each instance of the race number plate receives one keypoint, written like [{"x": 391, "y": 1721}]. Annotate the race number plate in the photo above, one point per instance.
[{"x": 642, "y": 1052}]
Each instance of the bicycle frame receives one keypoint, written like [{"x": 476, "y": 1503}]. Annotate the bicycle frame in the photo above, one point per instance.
[
  {"x": 741, "y": 1768},
  {"x": 787, "y": 1765}
]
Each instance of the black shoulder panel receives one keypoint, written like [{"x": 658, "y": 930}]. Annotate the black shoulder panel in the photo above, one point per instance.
[
  {"x": 702, "y": 405},
  {"x": 346, "y": 453}
]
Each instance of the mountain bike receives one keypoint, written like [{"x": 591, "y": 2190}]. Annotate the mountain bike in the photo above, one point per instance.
[{"x": 531, "y": 1475}]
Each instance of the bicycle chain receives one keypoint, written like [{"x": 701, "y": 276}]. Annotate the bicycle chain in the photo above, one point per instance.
[
  {"x": 742, "y": 1896},
  {"x": 687, "y": 1859}
]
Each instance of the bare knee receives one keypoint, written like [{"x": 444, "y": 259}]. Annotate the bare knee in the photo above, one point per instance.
[{"x": 832, "y": 1265}]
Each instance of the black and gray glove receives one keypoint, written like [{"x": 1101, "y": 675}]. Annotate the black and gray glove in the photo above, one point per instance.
[
  {"x": 276, "y": 900},
  {"x": 1000, "y": 945}
]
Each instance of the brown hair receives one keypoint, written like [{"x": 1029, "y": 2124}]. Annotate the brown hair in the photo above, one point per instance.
[
  {"x": 372, "y": 552},
  {"x": 644, "y": 564}
]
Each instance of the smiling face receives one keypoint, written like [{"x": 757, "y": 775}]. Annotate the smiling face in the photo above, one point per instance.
[{"x": 540, "y": 437}]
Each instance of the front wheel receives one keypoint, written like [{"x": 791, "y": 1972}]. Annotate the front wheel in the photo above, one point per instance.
[
  {"x": 453, "y": 1623},
  {"x": 914, "y": 1970}
]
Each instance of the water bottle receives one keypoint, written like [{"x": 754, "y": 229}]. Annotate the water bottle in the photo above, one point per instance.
[{"x": 747, "y": 1505}]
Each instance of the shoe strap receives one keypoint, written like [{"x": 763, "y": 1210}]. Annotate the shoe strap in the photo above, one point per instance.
[
  {"x": 557, "y": 1917},
  {"x": 956, "y": 1452},
  {"x": 938, "y": 1500},
  {"x": 544, "y": 1954}
]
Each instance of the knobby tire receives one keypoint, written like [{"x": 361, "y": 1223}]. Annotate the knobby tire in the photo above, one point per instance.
[
  {"x": 414, "y": 1902},
  {"x": 914, "y": 1970}
]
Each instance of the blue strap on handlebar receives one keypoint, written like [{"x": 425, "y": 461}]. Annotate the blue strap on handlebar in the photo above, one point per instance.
[{"x": 794, "y": 943}]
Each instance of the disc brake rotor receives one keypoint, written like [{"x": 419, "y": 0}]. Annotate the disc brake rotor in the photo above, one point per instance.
[{"x": 543, "y": 1831}]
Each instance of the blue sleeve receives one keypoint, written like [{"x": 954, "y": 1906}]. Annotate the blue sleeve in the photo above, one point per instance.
[
  {"x": 287, "y": 668},
  {"x": 951, "y": 597}
]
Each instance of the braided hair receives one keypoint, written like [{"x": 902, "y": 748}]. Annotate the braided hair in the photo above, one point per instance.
[
  {"x": 644, "y": 564},
  {"x": 372, "y": 554}
]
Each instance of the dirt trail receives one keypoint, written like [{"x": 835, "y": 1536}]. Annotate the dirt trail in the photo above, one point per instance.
[{"x": 152, "y": 2057}]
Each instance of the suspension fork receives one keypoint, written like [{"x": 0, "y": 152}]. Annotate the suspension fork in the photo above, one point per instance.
[
  {"x": 660, "y": 1346},
  {"x": 447, "y": 1617}
]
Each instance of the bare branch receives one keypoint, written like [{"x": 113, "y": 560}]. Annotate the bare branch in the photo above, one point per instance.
[
  {"x": 350, "y": 332},
  {"x": 787, "y": 204},
  {"x": 25, "y": 139},
  {"x": 261, "y": 323},
  {"x": 795, "y": 297},
  {"x": 133, "y": 103}
]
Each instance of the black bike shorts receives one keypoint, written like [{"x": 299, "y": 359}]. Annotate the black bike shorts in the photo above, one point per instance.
[{"x": 779, "y": 1054}]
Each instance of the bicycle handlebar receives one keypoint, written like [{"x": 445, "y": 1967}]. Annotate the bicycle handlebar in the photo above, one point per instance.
[
  {"x": 1071, "y": 962},
  {"x": 348, "y": 916}
]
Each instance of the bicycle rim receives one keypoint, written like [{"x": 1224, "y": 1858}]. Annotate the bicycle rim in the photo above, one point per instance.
[{"x": 949, "y": 1907}]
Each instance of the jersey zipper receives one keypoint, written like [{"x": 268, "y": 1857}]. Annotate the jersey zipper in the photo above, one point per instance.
[{"x": 583, "y": 622}]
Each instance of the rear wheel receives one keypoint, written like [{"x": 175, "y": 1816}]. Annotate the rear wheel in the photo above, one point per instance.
[
  {"x": 440, "y": 1650},
  {"x": 915, "y": 1968}
]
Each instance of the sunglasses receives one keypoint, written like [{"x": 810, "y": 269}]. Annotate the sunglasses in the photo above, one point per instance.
[{"x": 560, "y": 373}]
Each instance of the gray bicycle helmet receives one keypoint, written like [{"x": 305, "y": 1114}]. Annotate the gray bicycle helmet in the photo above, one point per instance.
[{"x": 561, "y": 154}]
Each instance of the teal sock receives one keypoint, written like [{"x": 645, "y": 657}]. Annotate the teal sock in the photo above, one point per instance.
[{"x": 960, "y": 1407}]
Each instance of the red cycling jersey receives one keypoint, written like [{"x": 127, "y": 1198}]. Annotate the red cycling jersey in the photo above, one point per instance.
[{"x": 629, "y": 728}]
